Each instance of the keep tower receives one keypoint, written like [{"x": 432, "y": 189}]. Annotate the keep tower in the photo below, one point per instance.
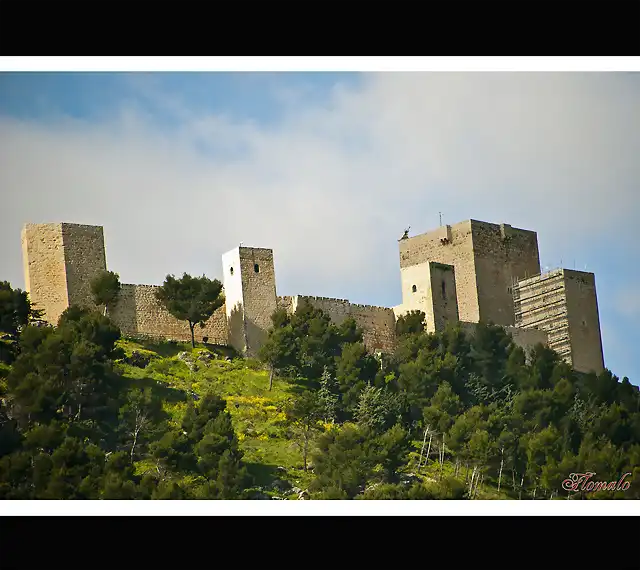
[{"x": 60, "y": 260}]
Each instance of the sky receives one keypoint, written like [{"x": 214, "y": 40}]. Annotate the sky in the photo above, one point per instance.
[{"x": 328, "y": 169}]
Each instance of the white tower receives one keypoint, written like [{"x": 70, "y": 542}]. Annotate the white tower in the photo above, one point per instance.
[{"x": 250, "y": 291}]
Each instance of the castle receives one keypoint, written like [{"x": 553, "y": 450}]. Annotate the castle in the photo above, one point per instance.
[{"x": 468, "y": 273}]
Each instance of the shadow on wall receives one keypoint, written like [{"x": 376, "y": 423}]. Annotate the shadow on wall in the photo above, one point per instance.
[
  {"x": 255, "y": 337},
  {"x": 235, "y": 325},
  {"x": 244, "y": 335},
  {"x": 124, "y": 313}
]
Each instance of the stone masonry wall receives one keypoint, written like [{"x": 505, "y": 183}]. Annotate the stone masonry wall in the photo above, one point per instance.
[
  {"x": 337, "y": 309},
  {"x": 378, "y": 323},
  {"x": 584, "y": 321},
  {"x": 418, "y": 277},
  {"x": 284, "y": 303},
  {"x": 259, "y": 294},
  {"x": 501, "y": 253},
  {"x": 138, "y": 314},
  {"x": 84, "y": 258},
  {"x": 443, "y": 296},
  {"x": 524, "y": 338},
  {"x": 44, "y": 271}
]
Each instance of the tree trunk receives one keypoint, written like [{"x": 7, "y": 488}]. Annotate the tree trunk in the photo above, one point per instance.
[
  {"x": 479, "y": 482},
  {"x": 426, "y": 459},
  {"x": 193, "y": 341},
  {"x": 521, "y": 485},
  {"x": 135, "y": 440},
  {"x": 270, "y": 378},
  {"x": 304, "y": 452},
  {"x": 424, "y": 442},
  {"x": 441, "y": 457},
  {"x": 501, "y": 463}
]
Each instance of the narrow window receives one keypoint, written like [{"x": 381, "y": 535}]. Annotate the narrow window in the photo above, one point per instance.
[
  {"x": 444, "y": 291},
  {"x": 231, "y": 270},
  {"x": 256, "y": 268},
  {"x": 414, "y": 288}
]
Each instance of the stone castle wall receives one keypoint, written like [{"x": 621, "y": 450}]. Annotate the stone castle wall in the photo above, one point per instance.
[
  {"x": 524, "y": 338},
  {"x": 139, "y": 314},
  {"x": 476, "y": 261},
  {"x": 378, "y": 323}
]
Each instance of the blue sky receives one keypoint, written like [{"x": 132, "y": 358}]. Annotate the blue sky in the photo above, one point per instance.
[{"x": 328, "y": 169}]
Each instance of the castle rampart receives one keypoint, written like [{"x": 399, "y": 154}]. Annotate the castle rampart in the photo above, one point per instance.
[
  {"x": 470, "y": 272},
  {"x": 139, "y": 314}
]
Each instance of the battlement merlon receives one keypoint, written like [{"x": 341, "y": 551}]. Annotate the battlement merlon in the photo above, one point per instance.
[
  {"x": 587, "y": 277},
  {"x": 447, "y": 234}
]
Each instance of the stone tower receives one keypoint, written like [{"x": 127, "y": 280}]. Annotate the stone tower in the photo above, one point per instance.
[
  {"x": 431, "y": 288},
  {"x": 487, "y": 259},
  {"x": 250, "y": 292},
  {"x": 60, "y": 260},
  {"x": 564, "y": 304}
]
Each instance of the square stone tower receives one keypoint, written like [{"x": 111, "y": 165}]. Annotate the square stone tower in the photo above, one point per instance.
[
  {"x": 250, "y": 292},
  {"x": 563, "y": 303},
  {"x": 431, "y": 288},
  {"x": 60, "y": 260},
  {"x": 486, "y": 257}
]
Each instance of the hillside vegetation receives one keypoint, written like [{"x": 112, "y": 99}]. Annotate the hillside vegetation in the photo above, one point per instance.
[{"x": 87, "y": 414}]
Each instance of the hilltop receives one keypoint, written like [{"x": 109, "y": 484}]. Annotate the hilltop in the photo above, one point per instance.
[{"x": 87, "y": 413}]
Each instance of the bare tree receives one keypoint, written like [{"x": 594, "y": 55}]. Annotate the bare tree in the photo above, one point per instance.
[{"x": 137, "y": 415}]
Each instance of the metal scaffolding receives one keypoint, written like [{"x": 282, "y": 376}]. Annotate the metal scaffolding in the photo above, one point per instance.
[{"x": 541, "y": 302}]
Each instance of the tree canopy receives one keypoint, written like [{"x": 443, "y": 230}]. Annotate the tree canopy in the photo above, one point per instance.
[
  {"x": 191, "y": 299},
  {"x": 105, "y": 288}
]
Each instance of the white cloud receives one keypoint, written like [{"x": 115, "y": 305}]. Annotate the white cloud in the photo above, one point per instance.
[{"x": 332, "y": 186}]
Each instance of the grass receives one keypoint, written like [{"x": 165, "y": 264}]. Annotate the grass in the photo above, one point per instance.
[{"x": 257, "y": 413}]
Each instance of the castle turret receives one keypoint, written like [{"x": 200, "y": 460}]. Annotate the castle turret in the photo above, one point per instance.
[
  {"x": 431, "y": 288},
  {"x": 60, "y": 260},
  {"x": 563, "y": 303},
  {"x": 250, "y": 292}
]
